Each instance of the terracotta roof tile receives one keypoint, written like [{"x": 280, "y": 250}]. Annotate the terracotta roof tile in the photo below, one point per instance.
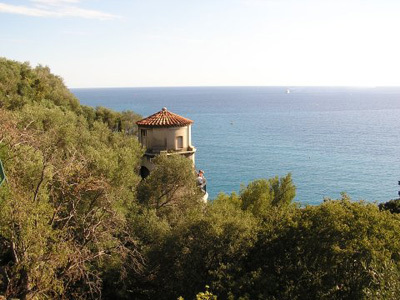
[{"x": 164, "y": 118}]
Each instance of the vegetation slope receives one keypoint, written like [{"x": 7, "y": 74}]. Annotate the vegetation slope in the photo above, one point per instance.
[{"x": 76, "y": 221}]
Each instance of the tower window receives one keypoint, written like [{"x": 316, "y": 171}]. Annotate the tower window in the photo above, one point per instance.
[
  {"x": 143, "y": 132},
  {"x": 179, "y": 142}
]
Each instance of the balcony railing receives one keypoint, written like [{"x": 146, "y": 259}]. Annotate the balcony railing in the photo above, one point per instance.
[{"x": 161, "y": 150}]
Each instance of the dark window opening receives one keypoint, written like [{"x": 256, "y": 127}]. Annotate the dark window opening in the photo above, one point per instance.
[{"x": 144, "y": 172}]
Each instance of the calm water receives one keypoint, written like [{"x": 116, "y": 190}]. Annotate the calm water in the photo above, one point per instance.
[{"x": 331, "y": 139}]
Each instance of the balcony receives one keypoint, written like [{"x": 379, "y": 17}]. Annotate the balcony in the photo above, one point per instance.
[{"x": 161, "y": 150}]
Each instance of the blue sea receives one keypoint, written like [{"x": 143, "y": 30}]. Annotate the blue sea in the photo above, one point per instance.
[{"x": 332, "y": 140}]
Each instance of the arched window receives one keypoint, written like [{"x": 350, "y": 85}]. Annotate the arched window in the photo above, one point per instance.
[{"x": 144, "y": 172}]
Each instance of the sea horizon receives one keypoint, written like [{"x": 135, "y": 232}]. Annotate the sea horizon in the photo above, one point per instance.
[{"x": 241, "y": 86}]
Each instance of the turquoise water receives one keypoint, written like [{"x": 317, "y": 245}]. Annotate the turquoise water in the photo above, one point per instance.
[{"x": 332, "y": 140}]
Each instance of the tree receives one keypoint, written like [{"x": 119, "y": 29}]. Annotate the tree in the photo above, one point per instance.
[
  {"x": 263, "y": 194},
  {"x": 171, "y": 186},
  {"x": 207, "y": 295},
  {"x": 393, "y": 206},
  {"x": 336, "y": 250},
  {"x": 204, "y": 248},
  {"x": 71, "y": 185}
]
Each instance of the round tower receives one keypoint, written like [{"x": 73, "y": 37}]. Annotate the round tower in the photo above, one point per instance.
[{"x": 164, "y": 133}]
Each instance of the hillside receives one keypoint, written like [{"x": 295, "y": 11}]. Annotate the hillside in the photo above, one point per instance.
[
  {"x": 71, "y": 177},
  {"x": 76, "y": 221}
]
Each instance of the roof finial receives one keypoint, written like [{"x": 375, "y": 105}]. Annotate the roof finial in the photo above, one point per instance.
[{"x": 164, "y": 109}]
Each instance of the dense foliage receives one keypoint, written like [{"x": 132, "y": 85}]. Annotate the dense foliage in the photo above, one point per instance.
[
  {"x": 76, "y": 221},
  {"x": 71, "y": 182},
  {"x": 393, "y": 206}
]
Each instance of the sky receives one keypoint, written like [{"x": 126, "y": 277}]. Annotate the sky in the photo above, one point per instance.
[{"x": 145, "y": 43}]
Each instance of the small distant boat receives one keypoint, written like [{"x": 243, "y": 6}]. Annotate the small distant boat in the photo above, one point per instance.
[{"x": 287, "y": 91}]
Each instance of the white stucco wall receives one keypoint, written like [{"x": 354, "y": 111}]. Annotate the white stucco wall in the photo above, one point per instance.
[{"x": 165, "y": 138}]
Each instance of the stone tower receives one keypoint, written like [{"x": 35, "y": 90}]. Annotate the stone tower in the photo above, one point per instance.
[{"x": 164, "y": 133}]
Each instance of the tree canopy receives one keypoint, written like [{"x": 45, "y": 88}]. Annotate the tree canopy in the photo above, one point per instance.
[{"x": 71, "y": 182}]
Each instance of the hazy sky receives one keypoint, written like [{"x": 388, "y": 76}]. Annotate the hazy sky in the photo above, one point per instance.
[{"x": 121, "y": 43}]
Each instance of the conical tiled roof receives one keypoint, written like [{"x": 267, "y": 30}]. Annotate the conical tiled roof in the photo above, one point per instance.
[{"x": 164, "y": 118}]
